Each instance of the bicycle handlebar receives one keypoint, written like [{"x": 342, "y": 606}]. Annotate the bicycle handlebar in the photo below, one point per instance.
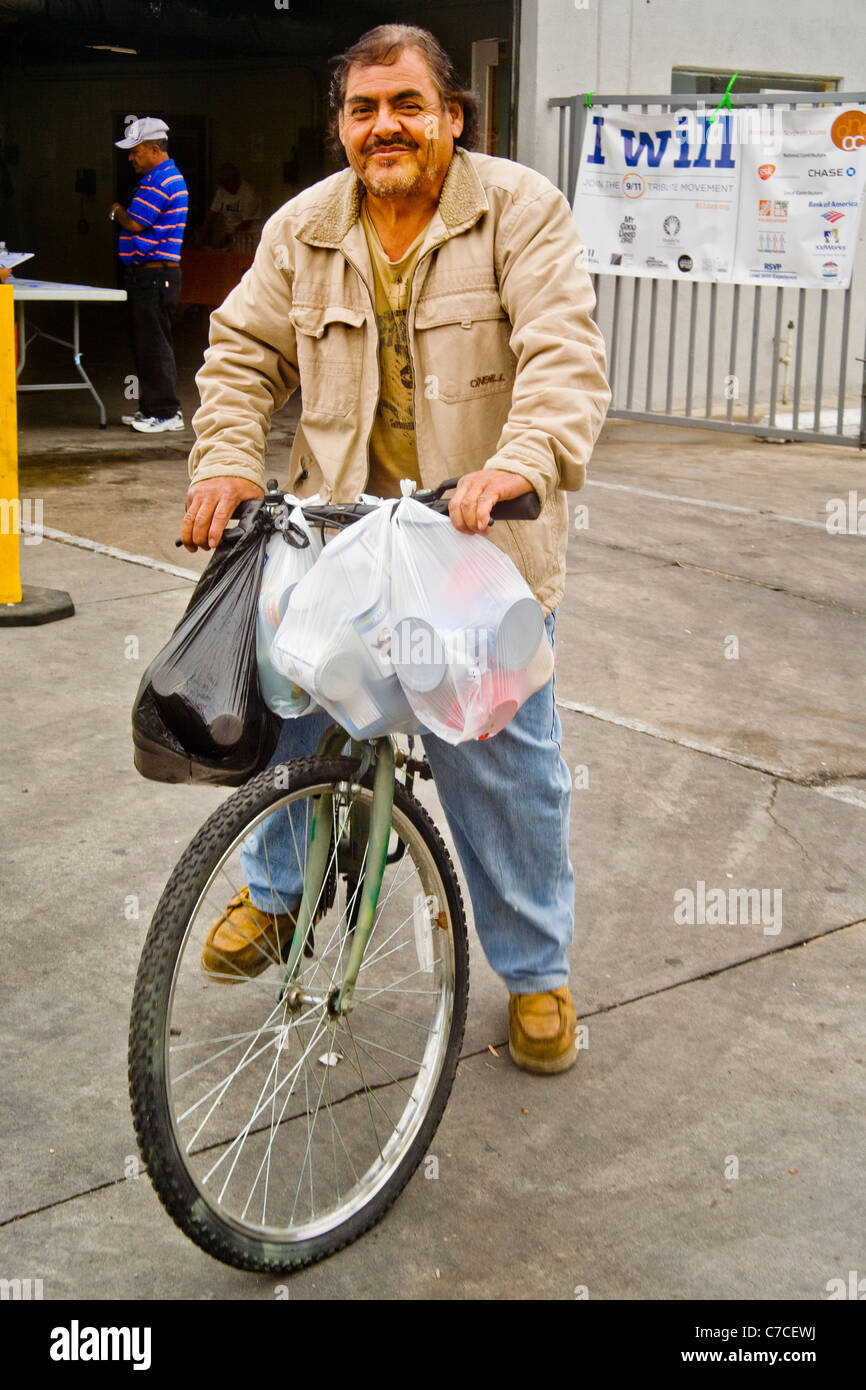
[{"x": 339, "y": 515}]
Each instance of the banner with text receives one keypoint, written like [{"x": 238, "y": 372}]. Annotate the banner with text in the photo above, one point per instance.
[{"x": 750, "y": 196}]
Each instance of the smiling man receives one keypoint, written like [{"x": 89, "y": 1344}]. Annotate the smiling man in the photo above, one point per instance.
[{"x": 431, "y": 304}]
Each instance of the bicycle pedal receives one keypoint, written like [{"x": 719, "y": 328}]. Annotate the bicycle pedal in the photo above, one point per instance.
[{"x": 419, "y": 767}]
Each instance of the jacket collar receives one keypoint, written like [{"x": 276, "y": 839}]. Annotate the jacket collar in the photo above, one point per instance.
[{"x": 461, "y": 202}]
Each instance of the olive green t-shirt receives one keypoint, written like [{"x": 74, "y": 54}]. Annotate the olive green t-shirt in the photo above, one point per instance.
[{"x": 392, "y": 453}]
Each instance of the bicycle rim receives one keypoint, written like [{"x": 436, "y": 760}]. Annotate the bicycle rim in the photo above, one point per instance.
[{"x": 291, "y": 1124}]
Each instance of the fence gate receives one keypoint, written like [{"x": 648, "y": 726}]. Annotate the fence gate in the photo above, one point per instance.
[{"x": 720, "y": 370}]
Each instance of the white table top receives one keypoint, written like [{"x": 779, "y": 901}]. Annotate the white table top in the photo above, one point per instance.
[{"x": 49, "y": 289}]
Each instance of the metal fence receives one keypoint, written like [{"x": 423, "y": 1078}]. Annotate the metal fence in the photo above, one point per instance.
[{"x": 703, "y": 385}]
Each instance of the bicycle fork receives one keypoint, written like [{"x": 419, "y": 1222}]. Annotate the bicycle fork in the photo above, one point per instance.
[{"x": 322, "y": 845}]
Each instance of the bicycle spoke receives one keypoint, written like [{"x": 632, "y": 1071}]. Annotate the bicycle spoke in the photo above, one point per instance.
[
  {"x": 290, "y": 1120},
  {"x": 306, "y": 1159},
  {"x": 413, "y": 1061},
  {"x": 259, "y": 1108},
  {"x": 369, "y": 1096}
]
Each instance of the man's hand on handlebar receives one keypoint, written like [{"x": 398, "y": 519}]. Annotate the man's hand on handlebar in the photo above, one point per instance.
[
  {"x": 477, "y": 494},
  {"x": 209, "y": 505}
]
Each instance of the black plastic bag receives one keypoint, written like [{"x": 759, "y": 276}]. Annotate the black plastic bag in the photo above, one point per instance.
[{"x": 199, "y": 715}]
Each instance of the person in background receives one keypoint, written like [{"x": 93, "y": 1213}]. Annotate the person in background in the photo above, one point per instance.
[
  {"x": 149, "y": 250},
  {"x": 235, "y": 210}
]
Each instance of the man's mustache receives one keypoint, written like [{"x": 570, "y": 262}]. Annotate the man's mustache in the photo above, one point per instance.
[{"x": 375, "y": 148}]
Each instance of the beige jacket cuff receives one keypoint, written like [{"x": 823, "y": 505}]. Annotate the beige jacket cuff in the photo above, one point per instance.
[{"x": 228, "y": 468}]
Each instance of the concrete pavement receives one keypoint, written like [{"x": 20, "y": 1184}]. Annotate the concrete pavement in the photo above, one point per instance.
[{"x": 710, "y": 665}]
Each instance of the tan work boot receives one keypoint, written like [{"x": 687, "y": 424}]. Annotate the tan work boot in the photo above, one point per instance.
[
  {"x": 542, "y": 1031},
  {"x": 245, "y": 941}
]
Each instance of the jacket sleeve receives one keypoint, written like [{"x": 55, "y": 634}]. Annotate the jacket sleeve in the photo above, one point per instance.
[
  {"x": 250, "y": 368},
  {"x": 560, "y": 395}
]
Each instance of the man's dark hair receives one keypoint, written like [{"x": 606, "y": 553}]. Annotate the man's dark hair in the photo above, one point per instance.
[
  {"x": 385, "y": 44},
  {"x": 160, "y": 144}
]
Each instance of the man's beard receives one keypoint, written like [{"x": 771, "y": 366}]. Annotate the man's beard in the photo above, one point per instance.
[{"x": 399, "y": 183}]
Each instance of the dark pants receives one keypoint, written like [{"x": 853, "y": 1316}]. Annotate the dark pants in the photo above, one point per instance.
[{"x": 152, "y": 293}]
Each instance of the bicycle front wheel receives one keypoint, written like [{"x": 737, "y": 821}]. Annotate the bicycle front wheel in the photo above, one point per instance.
[{"x": 274, "y": 1130}]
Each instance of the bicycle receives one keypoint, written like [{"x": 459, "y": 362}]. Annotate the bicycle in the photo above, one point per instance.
[{"x": 281, "y": 1112}]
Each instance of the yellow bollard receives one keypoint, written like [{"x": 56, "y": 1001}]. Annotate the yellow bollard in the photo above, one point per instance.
[
  {"x": 32, "y": 604},
  {"x": 10, "y": 572}
]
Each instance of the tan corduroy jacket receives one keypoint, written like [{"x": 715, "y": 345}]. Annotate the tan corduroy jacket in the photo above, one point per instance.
[{"x": 509, "y": 366}]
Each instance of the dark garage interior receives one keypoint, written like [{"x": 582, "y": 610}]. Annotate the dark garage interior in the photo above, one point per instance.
[{"x": 239, "y": 81}]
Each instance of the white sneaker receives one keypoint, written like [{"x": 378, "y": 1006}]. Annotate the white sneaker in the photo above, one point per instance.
[
  {"x": 131, "y": 419},
  {"x": 150, "y": 425}
]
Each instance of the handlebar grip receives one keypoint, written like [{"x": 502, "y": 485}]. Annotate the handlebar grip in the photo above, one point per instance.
[
  {"x": 245, "y": 514},
  {"x": 524, "y": 508}
]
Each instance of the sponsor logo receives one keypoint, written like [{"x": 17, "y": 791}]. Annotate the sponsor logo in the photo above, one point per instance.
[
  {"x": 831, "y": 236},
  {"x": 633, "y": 185},
  {"x": 685, "y": 263},
  {"x": 671, "y": 225},
  {"x": 616, "y": 258},
  {"x": 772, "y": 209},
  {"x": 830, "y": 269},
  {"x": 848, "y": 131},
  {"x": 627, "y": 230},
  {"x": 829, "y": 172},
  {"x": 771, "y": 241},
  {"x": 766, "y": 171},
  {"x": 832, "y": 216},
  {"x": 654, "y": 263}
]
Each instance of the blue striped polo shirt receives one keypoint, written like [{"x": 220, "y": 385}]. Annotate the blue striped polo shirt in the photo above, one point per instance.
[{"x": 161, "y": 203}]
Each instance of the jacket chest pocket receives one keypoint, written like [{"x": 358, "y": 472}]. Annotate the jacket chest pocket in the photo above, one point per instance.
[
  {"x": 463, "y": 343},
  {"x": 330, "y": 350}
]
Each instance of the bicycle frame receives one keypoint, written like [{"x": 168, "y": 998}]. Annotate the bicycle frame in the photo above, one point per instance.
[{"x": 380, "y": 751}]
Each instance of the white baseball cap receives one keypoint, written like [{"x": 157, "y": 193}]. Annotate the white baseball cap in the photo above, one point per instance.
[{"x": 141, "y": 129}]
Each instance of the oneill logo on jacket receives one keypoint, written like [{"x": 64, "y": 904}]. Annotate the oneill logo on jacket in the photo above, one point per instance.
[
  {"x": 486, "y": 380},
  {"x": 76, "y": 1343}
]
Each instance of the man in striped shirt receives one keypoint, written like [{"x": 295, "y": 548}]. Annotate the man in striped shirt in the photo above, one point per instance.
[{"x": 149, "y": 249}]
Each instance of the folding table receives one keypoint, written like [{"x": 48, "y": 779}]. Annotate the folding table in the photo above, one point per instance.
[{"x": 25, "y": 291}]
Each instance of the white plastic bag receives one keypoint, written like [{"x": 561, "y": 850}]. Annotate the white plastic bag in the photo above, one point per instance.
[
  {"x": 333, "y": 639},
  {"x": 285, "y": 566},
  {"x": 468, "y": 640}
]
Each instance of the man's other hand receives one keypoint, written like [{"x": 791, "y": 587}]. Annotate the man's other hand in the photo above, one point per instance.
[
  {"x": 209, "y": 505},
  {"x": 477, "y": 494}
]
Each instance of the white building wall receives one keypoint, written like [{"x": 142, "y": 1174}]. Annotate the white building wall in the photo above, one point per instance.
[{"x": 631, "y": 46}]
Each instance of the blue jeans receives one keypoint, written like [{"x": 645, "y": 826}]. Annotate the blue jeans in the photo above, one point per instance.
[{"x": 506, "y": 800}]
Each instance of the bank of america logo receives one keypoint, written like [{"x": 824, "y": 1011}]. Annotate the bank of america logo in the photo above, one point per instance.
[{"x": 832, "y": 216}]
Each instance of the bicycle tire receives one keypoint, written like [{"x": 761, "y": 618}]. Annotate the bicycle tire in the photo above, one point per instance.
[{"x": 259, "y": 1246}]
